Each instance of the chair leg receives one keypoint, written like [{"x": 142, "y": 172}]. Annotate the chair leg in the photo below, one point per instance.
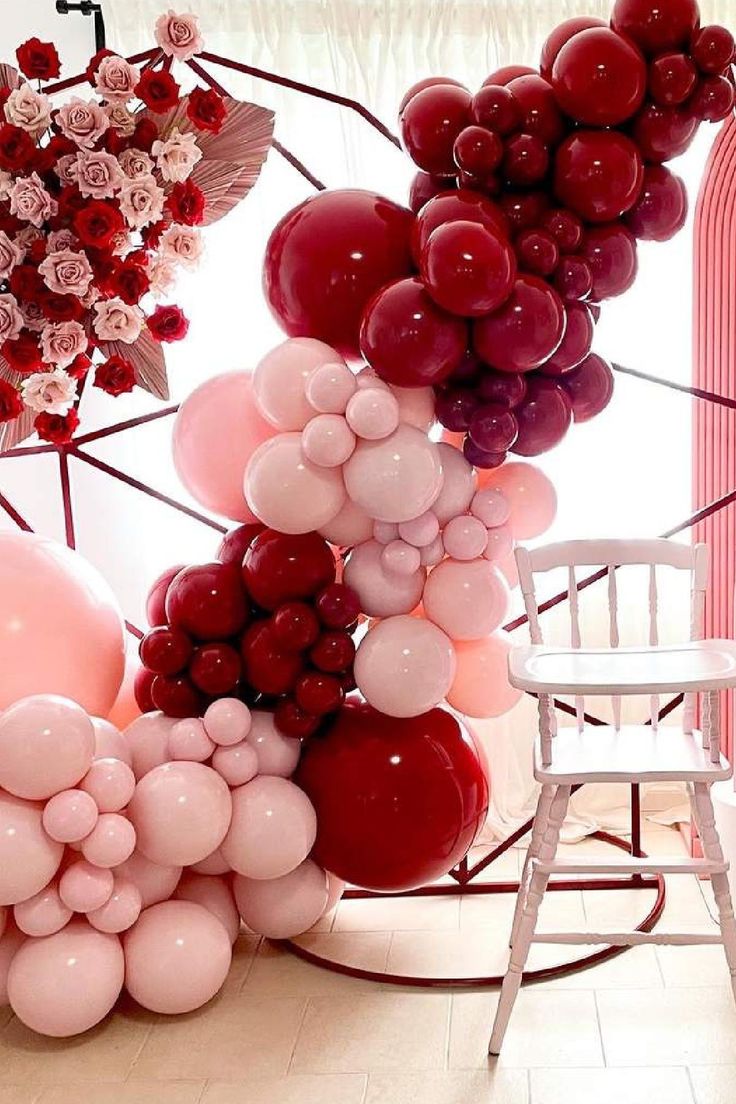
[
  {"x": 528, "y": 921},
  {"x": 702, "y": 805},
  {"x": 538, "y": 829}
]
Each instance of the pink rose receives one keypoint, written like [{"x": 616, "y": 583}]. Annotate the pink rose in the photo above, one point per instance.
[
  {"x": 11, "y": 320},
  {"x": 28, "y": 110},
  {"x": 25, "y": 238},
  {"x": 6, "y": 183},
  {"x": 82, "y": 121},
  {"x": 141, "y": 201},
  {"x": 33, "y": 317},
  {"x": 49, "y": 392},
  {"x": 182, "y": 244},
  {"x": 116, "y": 321},
  {"x": 179, "y": 35},
  {"x": 162, "y": 275},
  {"x": 66, "y": 168},
  {"x": 10, "y": 255},
  {"x": 116, "y": 79},
  {"x": 30, "y": 201},
  {"x": 177, "y": 155},
  {"x": 59, "y": 240},
  {"x": 66, "y": 272},
  {"x": 135, "y": 162},
  {"x": 62, "y": 342},
  {"x": 98, "y": 174},
  {"x": 120, "y": 118}
]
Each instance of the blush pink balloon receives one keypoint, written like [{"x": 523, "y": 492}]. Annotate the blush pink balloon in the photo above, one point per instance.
[
  {"x": 330, "y": 388},
  {"x": 29, "y": 858},
  {"x": 110, "y": 742},
  {"x": 289, "y": 493},
  {"x": 120, "y": 912},
  {"x": 111, "y": 783},
  {"x": 147, "y": 739},
  {"x": 237, "y": 764},
  {"x": 372, "y": 413},
  {"x": 335, "y": 889},
  {"x": 500, "y": 546},
  {"x": 458, "y": 484},
  {"x": 154, "y": 882},
  {"x": 12, "y": 939},
  {"x": 491, "y": 507},
  {"x": 283, "y": 907},
  {"x": 465, "y": 537},
  {"x": 180, "y": 812},
  {"x": 281, "y": 379},
  {"x": 277, "y": 754},
  {"x": 400, "y": 558},
  {"x": 434, "y": 553},
  {"x": 404, "y": 666},
  {"x": 481, "y": 687},
  {"x": 66, "y": 983},
  {"x": 328, "y": 440},
  {"x": 42, "y": 914},
  {"x": 507, "y": 567},
  {"x": 531, "y": 496},
  {"x": 70, "y": 816},
  {"x": 382, "y": 593},
  {"x": 177, "y": 956},
  {"x": 215, "y": 895},
  {"x": 111, "y": 842},
  {"x": 189, "y": 740},
  {"x": 46, "y": 745},
  {"x": 396, "y": 478},
  {"x": 466, "y": 600},
  {"x": 350, "y": 527},
  {"x": 273, "y": 828},
  {"x": 213, "y": 865},
  {"x": 416, "y": 406},
  {"x": 217, "y": 430},
  {"x": 227, "y": 721},
  {"x": 421, "y": 531},
  {"x": 84, "y": 887},
  {"x": 61, "y": 630},
  {"x": 386, "y": 531}
]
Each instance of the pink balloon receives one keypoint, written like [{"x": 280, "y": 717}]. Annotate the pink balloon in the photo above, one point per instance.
[
  {"x": 328, "y": 440},
  {"x": 400, "y": 558},
  {"x": 509, "y": 570},
  {"x": 29, "y": 858},
  {"x": 125, "y": 708},
  {"x": 458, "y": 484},
  {"x": 237, "y": 764},
  {"x": 277, "y": 754},
  {"x": 213, "y": 865},
  {"x": 61, "y": 630},
  {"x": 281, "y": 378},
  {"x": 84, "y": 887},
  {"x": 227, "y": 721},
  {"x": 434, "y": 553},
  {"x": 466, "y": 600},
  {"x": 66, "y": 983},
  {"x": 500, "y": 546},
  {"x": 491, "y": 507},
  {"x": 154, "y": 882},
  {"x": 287, "y": 492},
  {"x": 188, "y": 740},
  {"x": 283, "y": 907},
  {"x": 350, "y": 527},
  {"x": 404, "y": 666},
  {"x": 386, "y": 531},
  {"x": 531, "y": 495},
  {"x": 42, "y": 914},
  {"x": 421, "y": 531},
  {"x": 111, "y": 783},
  {"x": 177, "y": 956},
  {"x": 217, "y": 430},
  {"x": 12, "y": 939},
  {"x": 372, "y": 413},
  {"x": 110, "y": 742},
  {"x": 215, "y": 895},
  {"x": 335, "y": 889},
  {"x": 111, "y": 842},
  {"x": 180, "y": 812},
  {"x": 396, "y": 478},
  {"x": 330, "y": 388},
  {"x": 465, "y": 537},
  {"x": 273, "y": 828},
  {"x": 148, "y": 742},
  {"x": 121, "y": 911},
  {"x": 481, "y": 687},
  {"x": 416, "y": 406},
  {"x": 46, "y": 745},
  {"x": 382, "y": 593},
  {"x": 70, "y": 816}
]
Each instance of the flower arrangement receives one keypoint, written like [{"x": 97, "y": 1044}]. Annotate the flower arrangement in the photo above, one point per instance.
[{"x": 102, "y": 201}]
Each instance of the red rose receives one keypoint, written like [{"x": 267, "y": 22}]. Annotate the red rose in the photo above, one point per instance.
[
  {"x": 59, "y": 146},
  {"x": 9, "y": 223},
  {"x": 157, "y": 89},
  {"x": 97, "y": 223},
  {"x": 130, "y": 282},
  {"x": 116, "y": 376},
  {"x": 38, "y": 59},
  {"x": 167, "y": 324},
  {"x": 25, "y": 282},
  {"x": 70, "y": 201},
  {"x": 186, "y": 203},
  {"x": 151, "y": 234},
  {"x": 4, "y": 95},
  {"x": 61, "y": 308},
  {"x": 144, "y": 135},
  {"x": 94, "y": 64},
  {"x": 36, "y": 251},
  {"x": 114, "y": 141},
  {"x": 56, "y": 428},
  {"x": 11, "y": 404},
  {"x": 23, "y": 354},
  {"x": 206, "y": 109},
  {"x": 79, "y": 367},
  {"x": 17, "y": 148},
  {"x": 104, "y": 267}
]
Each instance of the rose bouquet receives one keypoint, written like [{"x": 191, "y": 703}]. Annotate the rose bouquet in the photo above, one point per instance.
[{"x": 101, "y": 203}]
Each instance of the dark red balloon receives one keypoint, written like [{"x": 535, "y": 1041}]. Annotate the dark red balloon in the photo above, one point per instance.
[
  {"x": 540, "y": 113},
  {"x": 662, "y": 133},
  {"x": 430, "y": 123},
  {"x": 598, "y": 173},
  {"x": 282, "y": 567},
  {"x": 525, "y": 331},
  {"x": 561, "y": 35},
  {"x": 398, "y": 802},
  {"x": 236, "y": 543},
  {"x": 296, "y": 626},
  {"x": 460, "y": 206},
  {"x": 525, "y": 160},
  {"x": 408, "y": 339},
  {"x": 318, "y": 693},
  {"x": 328, "y": 256},
  {"x": 493, "y": 106},
  {"x": 672, "y": 79},
  {"x": 507, "y": 73},
  {"x": 565, "y": 227},
  {"x": 599, "y": 78},
  {"x": 656, "y": 25},
  {"x": 544, "y": 417},
  {"x": 337, "y": 606},
  {"x": 208, "y": 601},
  {"x": 661, "y": 209},
  {"x": 424, "y": 187},
  {"x": 575, "y": 344},
  {"x": 142, "y": 683},
  {"x": 590, "y": 387},
  {"x": 426, "y": 82},
  {"x": 293, "y": 721},
  {"x": 176, "y": 696},
  {"x": 611, "y": 253},
  {"x": 334, "y": 652},
  {"x": 524, "y": 209},
  {"x": 156, "y": 600},
  {"x": 573, "y": 278},
  {"x": 215, "y": 668},
  {"x": 506, "y": 388},
  {"x": 537, "y": 252},
  {"x": 165, "y": 650},
  {"x": 267, "y": 667},
  {"x": 479, "y": 458},
  {"x": 468, "y": 269},
  {"x": 713, "y": 99},
  {"x": 493, "y": 428},
  {"x": 712, "y": 49},
  {"x": 477, "y": 150},
  {"x": 455, "y": 407}
]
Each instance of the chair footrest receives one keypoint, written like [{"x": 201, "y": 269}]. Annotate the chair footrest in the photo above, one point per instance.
[
  {"x": 633, "y": 865},
  {"x": 628, "y": 939}
]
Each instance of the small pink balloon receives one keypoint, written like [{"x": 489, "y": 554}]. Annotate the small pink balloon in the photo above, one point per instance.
[
  {"x": 283, "y": 907},
  {"x": 491, "y": 507},
  {"x": 420, "y": 531},
  {"x": 404, "y": 666},
  {"x": 328, "y": 440},
  {"x": 111, "y": 842},
  {"x": 69, "y": 816},
  {"x": 350, "y": 527},
  {"x": 481, "y": 687},
  {"x": 396, "y": 478},
  {"x": 46, "y": 745},
  {"x": 381, "y": 593},
  {"x": 213, "y": 865},
  {"x": 465, "y": 537},
  {"x": 237, "y": 764},
  {"x": 180, "y": 812},
  {"x": 121, "y": 911},
  {"x": 110, "y": 742},
  {"x": 434, "y": 553},
  {"x": 277, "y": 754},
  {"x": 367, "y": 377},
  {"x": 401, "y": 558},
  {"x": 372, "y": 413},
  {"x": 29, "y": 858},
  {"x": 281, "y": 378},
  {"x": 154, "y": 882},
  {"x": 531, "y": 496},
  {"x": 458, "y": 484},
  {"x": 188, "y": 740},
  {"x": 215, "y": 895},
  {"x": 148, "y": 741},
  {"x": 42, "y": 914},
  {"x": 111, "y": 783},
  {"x": 84, "y": 887},
  {"x": 10, "y": 943},
  {"x": 500, "y": 544},
  {"x": 330, "y": 387},
  {"x": 466, "y": 600},
  {"x": 289, "y": 493},
  {"x": 385, "y": 531},
  {"x": 177, "y": 956},
  {"x": 66, "y": 983},
  {"x": 227, "y": 721},
  {"x": 273, "y": 828},
  {"x": 416, "y": 406}
]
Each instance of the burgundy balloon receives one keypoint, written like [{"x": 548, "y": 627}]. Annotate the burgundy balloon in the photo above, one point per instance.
[
  {"x": 540, "y": 113},
  {"x": 507, "y": 73},
  {"x": 156, "y": 600},
  {"x": 408, "y": 339},
  {"x": 712, "y": 49},
  {"x": 662, "y": 133},
  {"x": 713, "y": 99},
  {"x": 494, "y": 106},
  {"x": 599, "y": 78},
  {"x": 506, "y": 388},
  {"x": 573, "y": 278},
  {"x": 215, "y": 668},
  {"x": 328, "y": 256},
  {"x": 525, "y": 160},
  {"x": 460, "y": 206},
  {"x": 565, "y": 227},
  {"x": 525, "y": 331},
  {"x": 611, "y": 253},
  {"x": 589, "y": 387},
  {"x": 672, "y": 79},
  {"x": 430, "y": 122},
  {"x": 598, "y": 173},
  {"x": 236, "y": 542},
  {"x": 575, "y": 344},
  {"x": 524, "y": 209},
  {"x": 537, "y": 252},
  {"x": 656, "y": 25},
  {"x": 661, "y": 209},
  {"x": 562, "y": 34},
  {"x": 142, "y": 683},
  {"x": 468, "y": 269},
  {"x": 477, "y": 150},
  {"x": 426, "y": 82},
  {"x": 479, "y": 458},
  {"x": 424, "y": 187},
  {"x": 207, "y": 601},
  {"x": 282, "y": 567},
  {"x": 493, "y": 428},
  {"x": 543, "y": 418}
]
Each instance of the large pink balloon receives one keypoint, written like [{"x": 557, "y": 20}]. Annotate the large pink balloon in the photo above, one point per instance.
[
  {"x": 147, "y": 740},
  {"x": 481, "y": 687},
  {"x": 61, "y": 630},
  {"x": 66, "y": 983},
  {"x": 382, "y": 593},
  {"x": 466, "y": 600},
  {"x": 277, "y": 754},
  {"x": 273, "y": 828},
  {"x": 217, "y": 430},
  {"x": 283, "y": 907},
  {"x": 10, "y": 942},
  {"x": 280, "y": 380},
  {"x": 29, "y": 858},
  {"x": 154, "y": 882},
  {"x": 531, "y": 494},
  {"x": 404, "y": 666},
  {"x": 396, "y": 478},
  {"x": 46, "y": 745},
  {"x": 125, "y": 709},
  {"x": 180, "y": 812},
  {"x": 287, "y": 492},
  {"x": 215, "y": 895}
]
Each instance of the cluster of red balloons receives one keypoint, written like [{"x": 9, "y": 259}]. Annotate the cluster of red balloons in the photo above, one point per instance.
[{"x": 265, "y": 622}]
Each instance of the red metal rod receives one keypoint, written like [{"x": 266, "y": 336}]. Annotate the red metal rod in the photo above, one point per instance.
[
  {"x": 134, "y": 630},
  {"x": 119, "y": 427},
  {"x": 29, "y": 450},
  {"x": 66, "y": 500},
  {"x": 696, "y": 392},
  {"x": 11, "y": 511}
]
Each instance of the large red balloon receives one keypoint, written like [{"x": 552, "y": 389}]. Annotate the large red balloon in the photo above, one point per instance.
[
  {"x": 656, "y": 25},
  {"x": 539, "y": 110},
  {"x": 507, "y": 73},
  {"x": 463, "y": 205},
  {"x": 562, "y": 34},
  {"x": 426, "y": 82},
  {"x": 430, "y": 123},
  {"x": 589, "y": 387},
  {"x": 662, "y": 133},
  {"x": 468, "y": 269},
  {"x": 661, "y": 209},
  {"x": 611, "y": 253},
  {"x": 598, "y": 173},
  {"x": 525, "y": 331},
  {"x": 328, "y": 256},
  {"x": 599, "y": 78},
  {"x": 543, "y": 418},
  {"x": 398, "y": 802},
  {"x": 575, "y": 344}
]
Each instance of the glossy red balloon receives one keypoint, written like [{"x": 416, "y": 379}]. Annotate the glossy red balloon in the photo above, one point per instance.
[
  {"x": 525, "y": 331},
  {"x": 506, "y": 388},
  {"x": 477, "y": 150},
  {"x": 296, "y": 626},
  {"x": 573, "y": 278},
  {"x": 398, "y": 802},
  {"x": 543, "y": 418},
  {"x": 468, "y": 269},
  {"x": 561, "y": 35},
  {"x": 598, "y": 173},
  {"x": 662, "y": 133},
  {"x": 525, "y": 160},
  {"x": 408, "y": 339},
  {"x": 599, "y": 78},
  {"x": 282, "y": 567},
  {"x": 176, "y": 696},
  {"x": 236, "y": 542},
  {"x": 661, "y": 209},
  {"x": 493, "y": 428},
  {"x": 338, "y": 606},
  {"x": 590, "y": 387},
  {"x": 267, "y": 667},
  {"x": 142, "y": 683},
  {"x": 165, "y": 650},
  {"x": 611, "y": 253},
  {"x": 575, "y": 344},
  {"x": 565, "y": 227},
  {"x": 713, "y": 99},
  {"x": 537, "y": 252},
  {"x": 207, "y": 601},
  {"x": 426, "y": 82},
  {"x": 328, "y": 256},
  {"x": 424, "y": 187},
  {"x": 507, "y": 73},
  {"x": 540, "y": 113},
  {"x": 493, "y": 106},
  {"x": 215, "y": 668},
  {"x": 672, "y": 79},
  {"x": 460, "y": 206},
  {"x": 524, "y": 209},
  {"x": 712, "y": 49},
  {"x": 656, "y": 25},
  {"x": 430, "y": 122},
  {"x": 156, "y": 600}
]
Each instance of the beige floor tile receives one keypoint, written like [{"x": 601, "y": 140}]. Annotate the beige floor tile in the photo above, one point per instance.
[
  {"x": 505, "y": 867},
  {"x": 278, "y": 973},
  {"x": 713, "y": 1084},
  {"x": 244, "y": 952},
  {"x": 488, "y": 1086},
  {"x": 610, "y": 1086},
  {"x": 636, "y": 968},
  {"x": 493, "y": 912},
  {"x": 667, "y": 1027},
  {"x": 398, "y": 914},
  {"x": 152, "y": 1092},
  {"x": 458, "y": 954},
  {"x": 547, "y": 1029},
  {"x": 382, "y": 1031},
  {"x": 693, "y": 966},
  {"x": 331, "y": 1088},
  {"x": 20, "y": 1094}
]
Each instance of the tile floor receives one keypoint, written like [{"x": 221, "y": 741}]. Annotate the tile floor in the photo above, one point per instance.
[{"x": 653, "y": 1026}]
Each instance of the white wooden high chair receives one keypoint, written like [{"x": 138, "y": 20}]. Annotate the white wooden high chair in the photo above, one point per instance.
[{"x": 628, "y": 753}]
